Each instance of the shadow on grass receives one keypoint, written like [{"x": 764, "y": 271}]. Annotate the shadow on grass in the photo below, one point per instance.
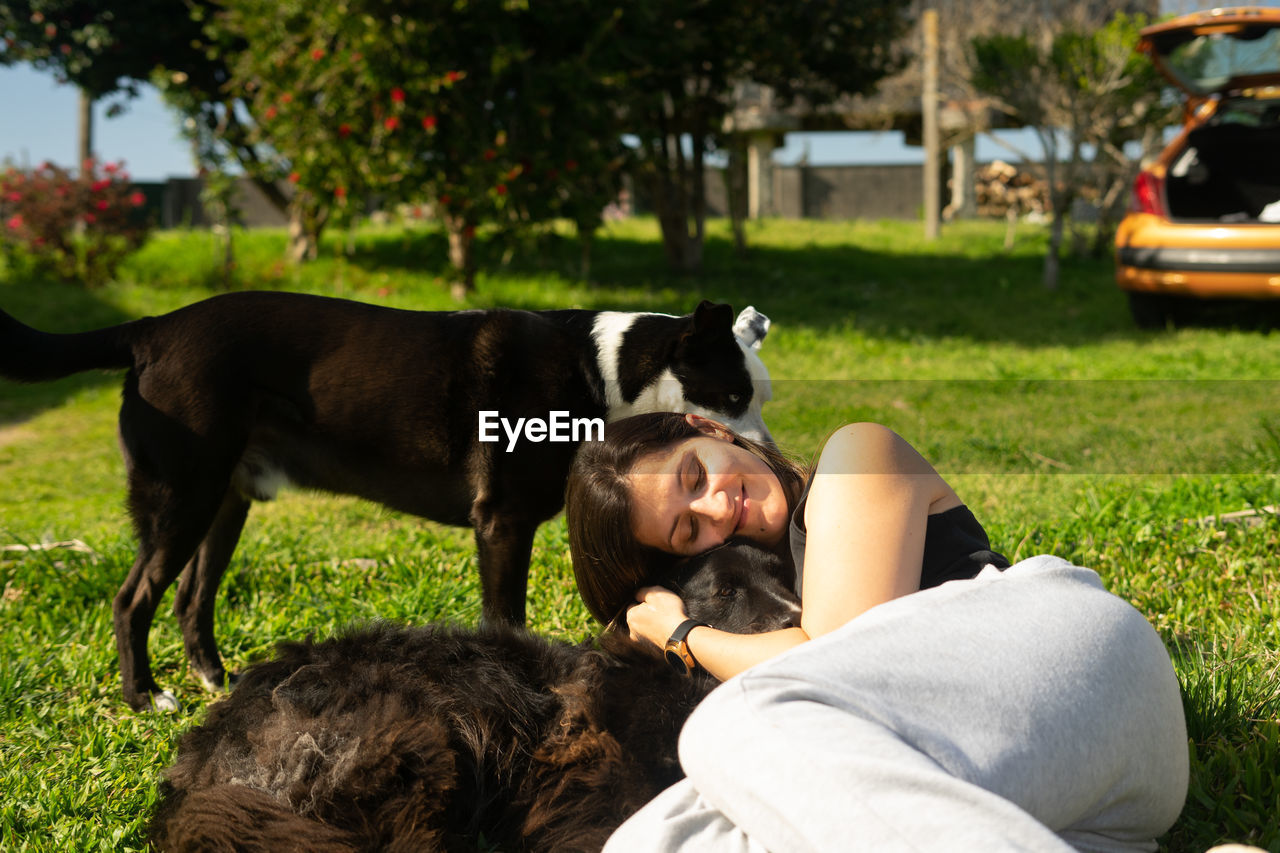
[
  {"x": 892, "y": 294},
  {"x": 53, "y": 307}
]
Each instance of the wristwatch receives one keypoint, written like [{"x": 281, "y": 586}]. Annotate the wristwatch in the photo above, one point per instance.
[{"x": 677, "y": 651}]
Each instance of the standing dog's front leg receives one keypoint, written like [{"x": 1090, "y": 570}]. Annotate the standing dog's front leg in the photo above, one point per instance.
[{"x": 504, "y": 545}]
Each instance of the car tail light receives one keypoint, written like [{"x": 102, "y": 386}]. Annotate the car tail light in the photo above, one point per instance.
[{"x": 1148, "y": 194}]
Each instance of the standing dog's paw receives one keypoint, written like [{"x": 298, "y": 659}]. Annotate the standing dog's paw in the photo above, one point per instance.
[
  {"x": 216, "y": 685},
  {"x": 165, "y": 702}
]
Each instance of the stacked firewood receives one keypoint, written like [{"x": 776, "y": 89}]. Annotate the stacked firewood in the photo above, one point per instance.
[{"x": 1003, "y": 190}]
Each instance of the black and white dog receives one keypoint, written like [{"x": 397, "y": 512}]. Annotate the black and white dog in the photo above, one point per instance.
[
  {"x": 468, "y": 418},
  {"x": 435, "y": 737}
]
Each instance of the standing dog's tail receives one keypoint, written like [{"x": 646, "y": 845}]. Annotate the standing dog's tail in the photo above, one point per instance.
[{"x": 29, "y": 355}]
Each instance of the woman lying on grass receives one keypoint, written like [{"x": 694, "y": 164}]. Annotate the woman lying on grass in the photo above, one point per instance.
[{"x": 1020, "y": 707}]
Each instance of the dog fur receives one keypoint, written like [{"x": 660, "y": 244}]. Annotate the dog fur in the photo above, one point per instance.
[
  {"x": 440, "y": 738},
  {"x": 228, "y": 399}
]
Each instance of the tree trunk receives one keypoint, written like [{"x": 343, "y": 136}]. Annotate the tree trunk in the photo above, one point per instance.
[
  {"x": 677, "y": 191},
  {"x": 85, "y": 140},
  {"x": 586, "y": 240},
  {"x": 1052, "y": 257},
  {"x": 736, "y": 189},
  {"x": 462, "y": 258},
  {"x": 305, "y": 225}
]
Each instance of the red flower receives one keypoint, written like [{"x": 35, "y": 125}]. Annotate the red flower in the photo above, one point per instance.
[
  {"x": 112, "y": 168},
  {"x": 137, "y": 199},
  {"x": 99, "y": 186},
  {"x": 397, "y": 95},
  {"x": 317, "y": 54},
  {"x": 344, "y": 130},
  {"x": 444, "y": 198},
  {"x": 294, "y": 177},
  {"x": 14, "y": 196},
  {"x": 392, "y": 123},
  {"x": 102, "y": 205},
  {"x": 271, "y": 112},
  {"x": 15, "y": 223},
  {"x": 500, "y": 189},
  {"x": 89, "y": 218},
  {"x": 286, "y": 98},
  {"x": 429, "y": 123},
  {"x": 340, "y": 192},
  {"x": 453, "y": 76},
  {"x": 489, "y": 154}
]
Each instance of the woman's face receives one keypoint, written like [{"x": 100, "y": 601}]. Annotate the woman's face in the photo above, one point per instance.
[{"x": 696, "y": 494}]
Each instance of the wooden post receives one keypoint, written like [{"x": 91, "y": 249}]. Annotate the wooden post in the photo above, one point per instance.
[{"x": 932, "y": 140}]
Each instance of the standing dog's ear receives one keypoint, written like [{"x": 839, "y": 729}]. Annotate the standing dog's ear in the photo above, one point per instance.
[
  {"x": 709, "y": 315},
  {"x": 751, "y": 327}
]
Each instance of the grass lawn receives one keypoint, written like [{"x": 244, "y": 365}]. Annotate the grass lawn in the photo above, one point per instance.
[{"x": 1068, "y": 430}]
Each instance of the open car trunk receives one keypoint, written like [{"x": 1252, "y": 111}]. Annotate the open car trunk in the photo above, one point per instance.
[{"x": 1230, "y": 169}]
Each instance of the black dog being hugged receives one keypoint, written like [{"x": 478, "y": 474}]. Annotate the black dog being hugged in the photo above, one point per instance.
[
  {"x": 229, "y": 399},
  {"x": 433, "y": 738}
]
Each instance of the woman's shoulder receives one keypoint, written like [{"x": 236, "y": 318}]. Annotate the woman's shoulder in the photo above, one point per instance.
[{"x": 865, "y": 447}]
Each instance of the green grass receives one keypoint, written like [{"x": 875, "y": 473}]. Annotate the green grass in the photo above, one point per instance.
[{"x": 1066, "y": 428}]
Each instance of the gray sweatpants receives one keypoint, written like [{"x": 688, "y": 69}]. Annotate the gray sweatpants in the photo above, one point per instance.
[{"x": 1024, "y": 710}]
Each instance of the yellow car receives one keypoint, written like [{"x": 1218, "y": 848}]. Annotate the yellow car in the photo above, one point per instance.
[{"x": 1204, "y": 222}]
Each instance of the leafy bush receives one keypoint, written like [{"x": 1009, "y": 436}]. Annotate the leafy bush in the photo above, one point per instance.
[{"x": 77, "y": 228}]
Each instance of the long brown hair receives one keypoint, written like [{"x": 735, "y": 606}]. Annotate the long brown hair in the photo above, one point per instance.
[{"x": 608, "y": 563}]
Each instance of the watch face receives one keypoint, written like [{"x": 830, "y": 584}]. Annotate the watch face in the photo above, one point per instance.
[{"x": 677, "y": 663}]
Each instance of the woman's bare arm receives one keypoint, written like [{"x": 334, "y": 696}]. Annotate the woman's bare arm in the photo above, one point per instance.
[{"x": 866, "y": 515}]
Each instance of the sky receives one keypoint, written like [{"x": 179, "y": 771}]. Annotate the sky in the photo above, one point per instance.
[{"x": 38, "y": 123}]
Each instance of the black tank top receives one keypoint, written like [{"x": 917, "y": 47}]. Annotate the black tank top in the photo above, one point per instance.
[{"x": 955, "y": 546}]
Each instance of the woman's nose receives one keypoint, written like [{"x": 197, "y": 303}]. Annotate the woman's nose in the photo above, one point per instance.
[{"x": 716, "y": 506}]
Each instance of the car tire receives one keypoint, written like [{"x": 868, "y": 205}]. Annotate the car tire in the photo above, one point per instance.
[{"x": 1154, "y": 310}]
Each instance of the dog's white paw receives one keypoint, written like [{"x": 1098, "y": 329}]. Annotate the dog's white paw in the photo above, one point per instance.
[
  {"x": 165, "y": 702},
  {"x": 213, "y": 686}
]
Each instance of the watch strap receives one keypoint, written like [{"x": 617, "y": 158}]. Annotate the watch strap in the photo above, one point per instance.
[{"x": 677, "y": 651}]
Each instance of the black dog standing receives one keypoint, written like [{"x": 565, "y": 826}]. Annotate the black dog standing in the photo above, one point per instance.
[{"x": 229, "y": 399}]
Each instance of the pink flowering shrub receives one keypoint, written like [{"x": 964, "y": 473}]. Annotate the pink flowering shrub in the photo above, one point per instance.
[{"x": 77, "y": 228}]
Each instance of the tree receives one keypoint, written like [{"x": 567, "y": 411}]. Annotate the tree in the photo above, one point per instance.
[
  {"x": 1079, "y": 89},
  {"x": 681, "y": 62},
  {"x": 102, "y": 47},
  {"x": 106, "y": 48},
  {"x": 491, "y": 111}
]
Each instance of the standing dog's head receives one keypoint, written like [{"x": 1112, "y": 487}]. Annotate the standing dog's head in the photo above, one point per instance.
[
  {"x": 709, "y": 367},
  {"x": 738, "y": 587},
  {"x": 720, "y": 372}
]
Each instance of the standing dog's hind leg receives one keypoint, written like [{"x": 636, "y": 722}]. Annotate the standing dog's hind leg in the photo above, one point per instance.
[
  {"x": 170, "y": 525},
  {"x": 197, "y": 592}
]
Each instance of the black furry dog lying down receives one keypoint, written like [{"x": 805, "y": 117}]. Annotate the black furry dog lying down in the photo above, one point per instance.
[{"x": 447, "y": 738}]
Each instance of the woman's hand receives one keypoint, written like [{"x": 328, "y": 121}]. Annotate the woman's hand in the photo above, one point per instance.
[{"x": 657, "y": 615}]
